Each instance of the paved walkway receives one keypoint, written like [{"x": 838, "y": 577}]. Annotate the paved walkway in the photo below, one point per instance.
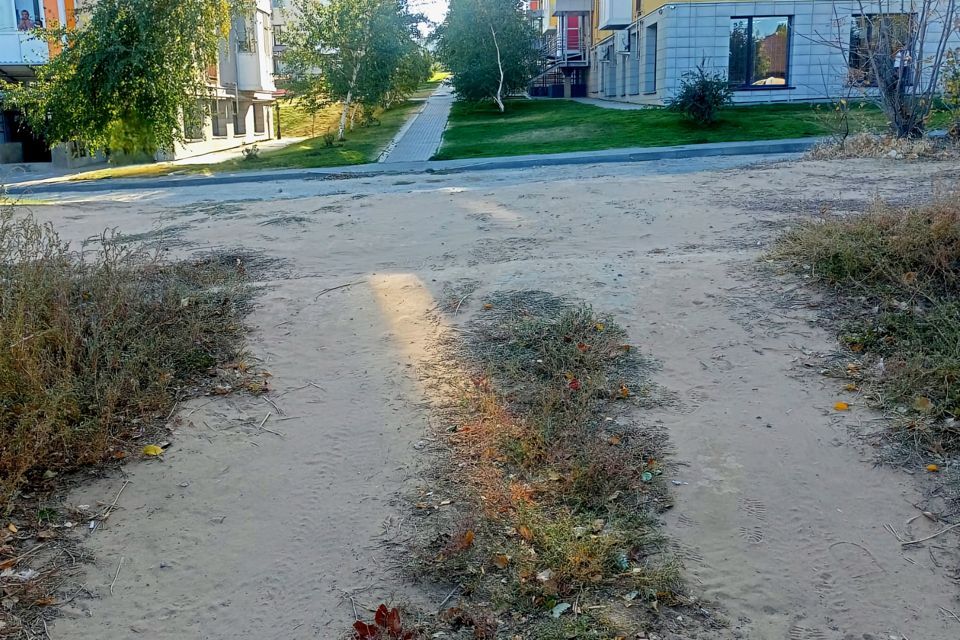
[
  {"x": 421, "y": 137},
  {"x": 611, "y": 104}
]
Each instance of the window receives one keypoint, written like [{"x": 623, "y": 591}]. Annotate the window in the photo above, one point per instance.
[
  {"x": 246, "y": 36},
  {"x": 239, "y": 119},
  {"x": 759, "y": 52},
  {"x": 259, "y": 124},
  {"x": 217, "y": 123},
  {"x": 885, "y": 38},
  {"x": 193, "y": 121},
  {"x": 279, "y": 68},
  {"x": 278, "y": 36},
  {"x": 27, "y": 15}
]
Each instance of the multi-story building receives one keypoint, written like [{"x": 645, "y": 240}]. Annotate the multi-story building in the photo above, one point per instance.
[
  {"x": 772, "y": 51},
  {"x": 237, "y": 110},
  {"x": 281, "y": 20}
]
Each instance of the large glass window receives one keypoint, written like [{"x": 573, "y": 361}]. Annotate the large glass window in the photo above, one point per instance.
[
  {"x": 759, "y": 52},
  {"x": 881, "y": 42}
]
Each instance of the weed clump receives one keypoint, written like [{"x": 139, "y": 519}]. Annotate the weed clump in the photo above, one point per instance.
[
  {"x": 896, "y": 276},
  {"x": 96, "y": 347},
  {"x": 557, "y": 489}
]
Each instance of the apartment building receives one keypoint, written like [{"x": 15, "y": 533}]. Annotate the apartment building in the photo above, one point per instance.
[
  {"x": 237, "y": 111},
  {"x": 281, "y": 18},
  {"x": 772, "y": 51}
]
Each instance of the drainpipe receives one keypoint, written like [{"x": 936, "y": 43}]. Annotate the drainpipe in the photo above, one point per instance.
[{"x": 236, "y": 85}]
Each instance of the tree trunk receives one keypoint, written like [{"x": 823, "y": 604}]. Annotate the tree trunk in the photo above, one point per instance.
[
  {"x": 346, "y": 104},
  {"x": 498, "y": 98},
  {"x": 343, "y": 116}
]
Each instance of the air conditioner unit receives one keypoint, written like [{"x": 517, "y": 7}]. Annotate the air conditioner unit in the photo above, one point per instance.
[{"x": 622, "y": 41}]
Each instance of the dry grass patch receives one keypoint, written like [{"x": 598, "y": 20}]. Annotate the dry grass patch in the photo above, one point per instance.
[
  {"x": 872, "y": 145},
  {"x": 96, "y": 348},
  {"x": 551, "y": 529},
  {"x": 895, "y": 276}
]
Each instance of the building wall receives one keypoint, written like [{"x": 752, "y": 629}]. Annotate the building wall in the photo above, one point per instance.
[{"x": 699, "y": 31}]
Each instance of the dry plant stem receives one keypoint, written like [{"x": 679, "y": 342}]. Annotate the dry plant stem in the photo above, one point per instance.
[
  {"x": 116, "y": 575},
  {"x": 955, "y": 616},
  {"x": 447, "y": 599},
  {"x": 930, "y": 537},
  {"x": 342, "y": 286},
  {"x": 263, "y": 428},
  {"x": 113, "y": 505},
  {"x": 273, "y": 404}
]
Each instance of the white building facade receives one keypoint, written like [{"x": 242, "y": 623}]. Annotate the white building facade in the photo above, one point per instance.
[{"x": 774, "y": 51}]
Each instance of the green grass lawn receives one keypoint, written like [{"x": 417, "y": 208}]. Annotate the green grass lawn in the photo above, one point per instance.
[
  {"x": 557, "y": 126},
  {"x": 363, "y": 145}
]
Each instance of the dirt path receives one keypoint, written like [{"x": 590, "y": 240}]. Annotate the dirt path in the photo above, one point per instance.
[{"x": 241, "y": 533}]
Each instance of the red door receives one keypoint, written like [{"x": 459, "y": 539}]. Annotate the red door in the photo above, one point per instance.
[{"x": 573, "y": 33}]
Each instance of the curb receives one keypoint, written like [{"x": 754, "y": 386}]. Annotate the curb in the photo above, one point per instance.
[{"x": 763, "y": 147}]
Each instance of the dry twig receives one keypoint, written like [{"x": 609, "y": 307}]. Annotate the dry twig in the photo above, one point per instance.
[
  {"x": 924, "y": 539},
  {"x": 116, "y": 575}
]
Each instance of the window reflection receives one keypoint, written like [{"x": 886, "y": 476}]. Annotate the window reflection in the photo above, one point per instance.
[{"x": 759, "y": 51}]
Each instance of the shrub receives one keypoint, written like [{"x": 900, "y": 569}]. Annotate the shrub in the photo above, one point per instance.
[
  {"x": 329, "y": 139},
  {"x": 95, "y": 349},
  {"x": 951, "y": 92},
  {"x": 895, "y": 274},
  {"x": 701, "y": 96}
]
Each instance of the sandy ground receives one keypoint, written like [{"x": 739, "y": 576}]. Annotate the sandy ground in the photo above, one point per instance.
[{"x": 240, "y": 533}]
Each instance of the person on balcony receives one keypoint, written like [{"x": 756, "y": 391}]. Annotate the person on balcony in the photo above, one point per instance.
[{"x": 25, "y": 24}]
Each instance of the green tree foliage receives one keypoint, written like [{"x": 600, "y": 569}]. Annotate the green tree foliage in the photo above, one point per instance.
[
  {"x": 126, "y": 75},
  {"x": 489, "y": 46},
  {"x": 362, "y": 53}
]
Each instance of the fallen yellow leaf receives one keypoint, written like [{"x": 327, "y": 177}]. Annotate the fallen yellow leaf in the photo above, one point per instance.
[
  {"x": 488, "y": 306},
  {"x": 599, "y": 326},
  {"x": 932, "y": 468},
  {"x": 614, "y": 440},
  {"x": 12, "y": 528},
  {"x": 841, "y": 406},
  {"x": 468, "y": 539},
  {"x": 850, "y": 387},
  {"x": 152, "y": 450},
  {"x": 500, "y": 561},
  {"x": 525, "y": 532},
  {"x": 923, "y": 404}
]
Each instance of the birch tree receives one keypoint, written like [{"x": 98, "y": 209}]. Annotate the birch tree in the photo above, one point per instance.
[
  {"x": 350, "y": 52},
  {"x": 490, "y": 46}
]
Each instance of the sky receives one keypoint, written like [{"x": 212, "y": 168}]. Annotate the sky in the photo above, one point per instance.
[{"x": 433, "y": 9}]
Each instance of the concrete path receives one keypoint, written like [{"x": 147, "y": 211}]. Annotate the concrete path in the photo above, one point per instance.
[
  {"x": 420, "y": 138},
  {"x": 611, "y": 104}
]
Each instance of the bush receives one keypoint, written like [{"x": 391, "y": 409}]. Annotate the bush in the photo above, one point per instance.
[
  {"x": 96, "y": 349},
  {"x": 701, "y": 96},
  {"x": 329, "y": 139},
  {"x": 951, "y": 92},
  {"x": 896, "y": 277}
]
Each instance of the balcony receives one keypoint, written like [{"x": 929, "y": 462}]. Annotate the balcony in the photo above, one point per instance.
[
  {"x": 615, "y": 14},
  {"x": 563, "y": 7},
  {"x": 22, "y": 49}
]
